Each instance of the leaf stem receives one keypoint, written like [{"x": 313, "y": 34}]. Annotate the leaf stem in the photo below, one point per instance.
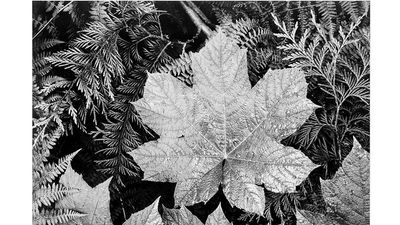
[{"x": 48, "y": 22}]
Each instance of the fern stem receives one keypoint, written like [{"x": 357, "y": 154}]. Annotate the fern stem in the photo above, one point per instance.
[
  {"x": 339, "y": 102},
  {"x": 48, "y": 22}
]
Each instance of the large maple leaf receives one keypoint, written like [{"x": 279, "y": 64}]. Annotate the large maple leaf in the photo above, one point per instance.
[
  {"x": 347, "y": 194},
  {"x": 222, "y": 131},
  {"x": 94, "y": 202}
]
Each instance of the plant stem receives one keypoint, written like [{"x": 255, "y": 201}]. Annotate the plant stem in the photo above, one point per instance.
[
  {"x": 48, "y": 22},
  {"x": 196, "y": 19},
  {"x": 198, "y": 11}
]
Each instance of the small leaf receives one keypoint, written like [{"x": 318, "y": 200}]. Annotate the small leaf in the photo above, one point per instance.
[
  {"x": 180, "y": 216},
  {"x": 217, "y": 217},
  {"x": 94, "y": 202},
  {"x": 147, "y": 216}
]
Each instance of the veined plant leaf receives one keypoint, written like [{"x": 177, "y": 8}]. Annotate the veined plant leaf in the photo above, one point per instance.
[
  {"x": 147, "y": 216},
  {"x": 183, "y": 216},
  {"x": 222, "y": 131},
  {"x": 304, "y": 217},
  {"x": 94, "y": 202},
  {"x": 347, "y": 194}
]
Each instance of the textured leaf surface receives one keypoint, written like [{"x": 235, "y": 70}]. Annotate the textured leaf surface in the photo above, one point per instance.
[
  {"x": 222, "y": 131},
  {"x": 217, "y": 217},
  {"x": 148, "y": 216},
  {"x": 94, "y": 202},
  {"x": 311, "y": 218},
  {"x": 183, "y": 216},
  {"x": 347, "y": 194},
  {"x": 180, "y": 216}
]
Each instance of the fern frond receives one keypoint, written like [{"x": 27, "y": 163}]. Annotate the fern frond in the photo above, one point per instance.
[
  {"x": 328, "y": 12},
  {"x": 340, "y": 76},
  {"x": 45, "y": 43},
  {"x": 98, "y": 11},
  {"x": 354, "y": 119},
  {"x": 279, "y": 204},
  {"x": 49, "y": 194},
  {"x": 146, "y": 49},
  {"x": 304, "y": 16},
  {"x": 40, "y": 24},
  {"x": 36, "y": 93},
  {"x": 40, "y": 66},
  {"x": 289, "y": 17},
  {"x": 260, "y": 61},
  {"x": 132, "y": 89},
  {"x": 180, "y": 68},
  {"x": 59, "y": 103},
  {"x": 55, "y": 7},
  {"x": 75, "y": 13},
  {"x": 120, "y": 137},
  {"x": 223, "y": 17},
  {"x": 155, "y": 54},
  {"x": 50, "y": 84},
  {"x": 249, "y": 217},
  {"x": 55, "y": 216},
  {"x": 44, "y": 140},
  {"x": 93, "y": 57},
  {"x": 308, "y": 133},
  {"x": 73, "y": 59},
  {"x": 132, "y": 9},
  {"x": 45, "y": 191},
  {"x": 354, "y": 72},
  {"x": 86, "y": 80},
  {"x": 258, "y": 11},
  {"x": 52, "y": 171},
  {"x": 247, "y": 33},
  {"x": 313, "y": 57},
  {"x": 351, "y": 8}
]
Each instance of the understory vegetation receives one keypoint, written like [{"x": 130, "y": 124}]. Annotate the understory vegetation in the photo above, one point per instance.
[{"x": 90, "y": 64}]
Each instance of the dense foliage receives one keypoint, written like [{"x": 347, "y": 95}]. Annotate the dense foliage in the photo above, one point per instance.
[{"x": 92, "y": 59}]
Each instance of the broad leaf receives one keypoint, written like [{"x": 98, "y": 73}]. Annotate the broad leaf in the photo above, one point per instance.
[
  {"x": 148, "y": 216},
  {"x": 94, "y": 202},
  {"x": 222, "y": 131},
  {"x": 347, "y": 194}
]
